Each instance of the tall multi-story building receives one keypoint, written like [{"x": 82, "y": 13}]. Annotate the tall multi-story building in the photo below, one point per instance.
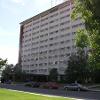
[{"x": 47, "y": 40}]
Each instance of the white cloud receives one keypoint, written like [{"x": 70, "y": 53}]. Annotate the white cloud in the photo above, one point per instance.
[
  {"x": 56, "y": 2},
  {"x": 9, "y": 52},
  {"x": 22, "y": 2},
  {"x": 3, "y": 32},
  {"x": 11, "y": 6},
  {"x": 8, "y": 46}
]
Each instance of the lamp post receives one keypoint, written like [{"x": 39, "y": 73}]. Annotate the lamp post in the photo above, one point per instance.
[{"x": 13, "y": 75}]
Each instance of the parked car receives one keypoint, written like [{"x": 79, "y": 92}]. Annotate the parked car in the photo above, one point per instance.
[
  {"x": 28, "y": 84},
  {"x": 32, "y": 84},
  {"x": 36, "y": 84},
  {"x": 8, "y": 82},
  {"x": 75, "y": 86},
  {"x": 50, "y": 85}
]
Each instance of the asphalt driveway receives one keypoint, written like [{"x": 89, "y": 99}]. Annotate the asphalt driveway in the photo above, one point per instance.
[{"x": 89, "y": 95}]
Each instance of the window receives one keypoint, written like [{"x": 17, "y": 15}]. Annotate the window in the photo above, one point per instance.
[
  {"x": 51, "y": 33},
  {"x": 51, "y": 21},
  {"x": 64, "y": 29},
  {"x": 44, "y": 19},
  {"x": 51, "y": 38},
  {"x": 45, "y": 29},
  {"x": 45, "y": 64},
  {"x": 45, "y": 24},
  {"x": 63, "y": 17},
  {"x": 50, "y": 44},
  {"x": 66, "y": 22},
  {"x": 54, "y": 26},
  {"x": 56, "y": 62},
  {"x": 64, "y": 11},
  {"x": 34, "y": 33},
  {"x": 36, "y": 27},
  {"x": 36, "y": 65},
  {"x": 44, "y": 35},
  {"x": 62, "y": 42},
  {"x": 42, "y": 41},
  {"x": 36, "y": 22},
  {"x": 68, "y": 47},
  {"x": 54, "y": 15},
  {"x": 67, "y": 54},
  {"x": 50, "y": 63}
]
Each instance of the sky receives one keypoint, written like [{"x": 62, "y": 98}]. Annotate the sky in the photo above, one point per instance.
[{"x": 12, "y": 12}]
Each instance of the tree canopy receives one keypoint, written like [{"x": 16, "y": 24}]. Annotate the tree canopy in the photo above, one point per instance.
[
  {"x": 77, "y": 69},
  {"x": 2, "y": 62},
  {"x": 53, "y": 74},
  {"x": 81, "y": 39},
  {"x": 89, "y": 10}
]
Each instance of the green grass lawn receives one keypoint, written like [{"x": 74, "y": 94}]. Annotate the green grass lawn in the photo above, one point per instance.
[{"x": 14, "y": 95}]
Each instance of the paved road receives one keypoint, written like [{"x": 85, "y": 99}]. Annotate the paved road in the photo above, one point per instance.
[{"x": 76, "y": 94}]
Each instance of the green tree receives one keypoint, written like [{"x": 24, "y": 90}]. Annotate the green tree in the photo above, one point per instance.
[
  {"x": 2, "y": 62},
  {"x": 53, "y": 74},
  {"x": 89, "y": 10},
  {"x": 19, "y": 75},
  {"x": 7, "y": 72},
  {"x": 81, "y": 39},
  {"x": 77, "y": 69},
  {"x": 13, "y": 73}
]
